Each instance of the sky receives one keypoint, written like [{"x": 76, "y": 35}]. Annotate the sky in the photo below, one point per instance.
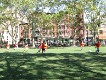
[
  {"x": 86, "y": 20},
  {"x": 55, "y": 8}
]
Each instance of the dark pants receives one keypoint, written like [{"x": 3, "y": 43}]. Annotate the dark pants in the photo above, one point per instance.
[
  {"x": 97, "y": 50},
  {"x": 43, "y": 50}
]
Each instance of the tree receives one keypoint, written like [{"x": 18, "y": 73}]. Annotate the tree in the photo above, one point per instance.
[
  {"x": 10, "y": 22},
  {"x": 58, "y": 8},
  {"x": 75, "y": 10},
  {"x": 13, "y": 13},
  {"x": 93, "y": 11}
]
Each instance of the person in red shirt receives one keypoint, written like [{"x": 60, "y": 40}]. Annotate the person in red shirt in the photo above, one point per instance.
[
  {"x": 98, "y": 44},
  {"x": 42, "y": 47},
  {"x": 81, "y": 45}
]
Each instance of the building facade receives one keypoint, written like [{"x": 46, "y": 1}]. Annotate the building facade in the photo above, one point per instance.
[
  {"x": 102, "y": 30},
  {"x": 102, "y": 33},
  {"x": 23, "y": 32}
]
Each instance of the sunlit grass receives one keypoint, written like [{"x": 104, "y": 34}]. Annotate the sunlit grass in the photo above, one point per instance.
[
  {"x": 55, "y": 50},
  {"x": 59, "y": 63}
]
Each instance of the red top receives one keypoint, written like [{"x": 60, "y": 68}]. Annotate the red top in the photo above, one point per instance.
[
  {"x": 42, "y": 46},
  {"x": 98, "y": 44},
  {"x": 82, "y": 44}
]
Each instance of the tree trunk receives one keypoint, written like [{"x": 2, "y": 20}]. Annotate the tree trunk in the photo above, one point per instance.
[
  {"x": 74, "y": 38},
  {"x": 33, "y": 43},
  {"x": 94, "y": 36}
]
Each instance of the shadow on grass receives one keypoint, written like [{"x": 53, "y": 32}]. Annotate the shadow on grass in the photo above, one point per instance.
[
  {"x": 92, "y": 53},
  {"x": 74, "y": 66}
]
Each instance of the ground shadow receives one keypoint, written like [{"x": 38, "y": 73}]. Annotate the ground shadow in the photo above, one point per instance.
[{"x": 74, "y": 66}]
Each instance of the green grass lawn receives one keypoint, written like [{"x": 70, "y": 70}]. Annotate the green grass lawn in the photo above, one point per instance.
[{"x": 68, "y": 63}]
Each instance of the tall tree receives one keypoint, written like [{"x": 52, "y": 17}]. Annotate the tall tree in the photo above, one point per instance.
[
  {"x": 93, "y": 14},
  {"x": 75, "y": 9},
  {"x": 14, "y": 12}
]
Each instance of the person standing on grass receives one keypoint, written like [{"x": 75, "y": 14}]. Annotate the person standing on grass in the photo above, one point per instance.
[
  {"x": 97, "y": 45},
  {"x": 42, "y": 47},
  {"x": 82, "y": 45}
]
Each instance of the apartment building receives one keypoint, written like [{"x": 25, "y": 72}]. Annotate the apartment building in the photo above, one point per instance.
[
  {"x": 23, "y": 31},
  {"x": 102, "y": 32},
  {"x": 66, "y": 30},
  {"x": 11, "y": 32},
  {"x": 11, "y": 36}
]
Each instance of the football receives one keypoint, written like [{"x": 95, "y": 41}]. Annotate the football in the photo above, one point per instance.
[{"x": 89, "y": 50}]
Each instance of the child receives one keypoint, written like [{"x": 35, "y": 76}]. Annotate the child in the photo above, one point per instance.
[
  {"x": 81, "y": 45},
  {"x": 97, "y": 46},
  {"x": 42, "y": 47}
]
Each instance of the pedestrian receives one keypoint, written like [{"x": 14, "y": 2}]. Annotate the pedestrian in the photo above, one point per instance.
[
  {"x": 82, "y": 45},
  {"x": 97, "y": 45},
  {"x": 42, "y": 47}
]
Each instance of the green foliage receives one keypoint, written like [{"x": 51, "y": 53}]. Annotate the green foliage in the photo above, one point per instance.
[{"x": 73, "y": 8}]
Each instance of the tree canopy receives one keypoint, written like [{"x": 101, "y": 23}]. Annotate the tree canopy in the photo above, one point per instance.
[{"x": 93, "y": 10}]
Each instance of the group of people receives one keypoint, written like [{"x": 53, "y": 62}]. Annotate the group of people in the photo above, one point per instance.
[
  {"x": 97, "y": 45},
  {"x": 43, "y": 46}
]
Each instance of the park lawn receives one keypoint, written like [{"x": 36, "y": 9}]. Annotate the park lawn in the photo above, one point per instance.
[
  {"x": 56, "y": 50},
  {"x": 56, "y": 63}
]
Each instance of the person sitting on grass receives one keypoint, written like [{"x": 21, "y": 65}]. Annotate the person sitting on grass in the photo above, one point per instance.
[{"x": 97, "y": 46}]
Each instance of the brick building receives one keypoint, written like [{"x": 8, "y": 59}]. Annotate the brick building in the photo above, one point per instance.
[
  {"x": 66, "y": 30},
  {"x": 102, "y": 32},
  {"x": 25, "y": 32}
]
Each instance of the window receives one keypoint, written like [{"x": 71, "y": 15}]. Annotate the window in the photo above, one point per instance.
[
  {"x": 100, "y": 31},
  {"x": 7, "y": 38}
]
